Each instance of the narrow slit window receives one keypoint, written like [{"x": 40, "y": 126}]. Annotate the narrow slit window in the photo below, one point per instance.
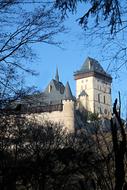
[
  {"x": 104, "y": 100},
  {"x": 99, "y": 98}
]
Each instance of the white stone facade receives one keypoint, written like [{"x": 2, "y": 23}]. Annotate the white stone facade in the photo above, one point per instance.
[
  {"x": 99, "y": 94},
  {"x": 97, "y": 88}
]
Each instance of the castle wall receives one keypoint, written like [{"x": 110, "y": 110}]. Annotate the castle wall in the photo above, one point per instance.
[{"x": 64, "y": 117}]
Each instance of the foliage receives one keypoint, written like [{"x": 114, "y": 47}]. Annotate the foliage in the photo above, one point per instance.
[
  {"x": 100, "y": 10},
  {"x": 93, "y": 116},
  {"x": 119, "y": 147},
  {"x": 104, "y": 23},
  {"x": 44, "y": 156}
]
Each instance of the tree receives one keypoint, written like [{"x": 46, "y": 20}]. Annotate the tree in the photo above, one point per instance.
[
  {"x": 104, "y": 25},
  {"x": 44, "y": 157},
  {"x": 110, "y": 11},
  {"x": 20, "y": 29},
  {"x": 119, "y": 146}
]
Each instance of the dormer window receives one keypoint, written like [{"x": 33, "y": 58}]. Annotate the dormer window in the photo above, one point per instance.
[{"x": 50, "y": 88}]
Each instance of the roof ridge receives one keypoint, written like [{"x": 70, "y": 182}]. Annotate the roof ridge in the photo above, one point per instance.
[{"x": 92, "y": 65}]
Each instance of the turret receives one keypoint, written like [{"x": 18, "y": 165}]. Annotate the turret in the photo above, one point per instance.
[
  {"x": 68, "y": 108},
  {"x": 83, "y": 101},
  {"x": 68, "y": 93}
]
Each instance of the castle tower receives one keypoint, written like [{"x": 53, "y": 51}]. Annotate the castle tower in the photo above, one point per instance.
[
  {"x": 96, "y": 83},
  {"x": 68, "y": 109}
]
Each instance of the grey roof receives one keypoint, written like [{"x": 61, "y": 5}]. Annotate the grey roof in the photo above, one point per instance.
[
  {"x": 83, "y": 93},
  {"x": 59, "y": 86},
  {"x": 57, "y": 93},
  {"x": 53, "y": 94},
  {"x": 68, "y": 93},
  {"x": 92, "y": 65}
]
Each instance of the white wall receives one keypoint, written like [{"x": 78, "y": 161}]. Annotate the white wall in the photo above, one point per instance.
[
  {"x": 94, "y": 86},
  {"x": 87, "y": 85}
]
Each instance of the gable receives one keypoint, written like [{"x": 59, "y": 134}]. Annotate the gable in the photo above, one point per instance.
[{"x": 54, "y": 92}]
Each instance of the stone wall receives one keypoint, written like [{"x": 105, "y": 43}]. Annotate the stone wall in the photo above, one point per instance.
[{"x": 64, "y": 116}]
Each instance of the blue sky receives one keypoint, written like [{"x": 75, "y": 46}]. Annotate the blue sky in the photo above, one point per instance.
[{"x": 74, "y": 50}]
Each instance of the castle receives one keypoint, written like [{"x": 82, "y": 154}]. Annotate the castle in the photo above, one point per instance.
[{"x": 57, "y": 104}]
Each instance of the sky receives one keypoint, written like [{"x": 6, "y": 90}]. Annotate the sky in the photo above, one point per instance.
[{"x": 74, "y": 50}]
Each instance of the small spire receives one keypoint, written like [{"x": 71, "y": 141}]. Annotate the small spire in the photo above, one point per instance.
[
  {"x": 57, "y": 75},
  {"x": 68, "y": 93}
]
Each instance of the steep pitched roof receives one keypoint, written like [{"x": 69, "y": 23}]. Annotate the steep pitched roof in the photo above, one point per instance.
[
  {"x": 54, "y": 92},
  {"x": 68, "y": 93},
  {"x": 83, "y": 93},
  {"x": 92, "y": 65},
  {"x": 59, "y": 86}
]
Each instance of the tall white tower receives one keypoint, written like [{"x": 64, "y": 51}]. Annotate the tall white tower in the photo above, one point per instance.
[{"x": 93, "y": 87}]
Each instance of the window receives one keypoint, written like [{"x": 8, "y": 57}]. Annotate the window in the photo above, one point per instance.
[
  {"x": 99, "y": 98},
  {"x": 105, "y": 111},
  {"x": 104, "y": 99},
  {"x": 109, "y": 90},
  {"x": 50, "y": 88},
  {"x": 61, "y": 90},
  {"x": 90, "y": 65},
  {"x": 104, "y": 88}
]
